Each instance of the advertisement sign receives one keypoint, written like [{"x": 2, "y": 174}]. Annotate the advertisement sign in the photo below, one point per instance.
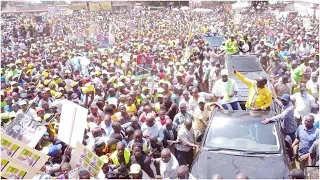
[
  {"x": 21, "y": 152},
  {"x": 106, "y": 5},
  {"x": 14, "y": 169},
  {"x": 144, "y": 63},
  {"x": 84, "y": 159},
  {"x": 26, "y": 129},
  {"x": 80, "y": 39}
]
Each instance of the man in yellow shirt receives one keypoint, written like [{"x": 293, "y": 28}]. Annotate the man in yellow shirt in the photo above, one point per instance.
[{"x": 259, "y": 97}]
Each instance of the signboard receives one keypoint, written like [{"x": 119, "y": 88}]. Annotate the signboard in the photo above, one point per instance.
[
  {"x": 21, "y": 152},
  {"x": 306, "y": 23},
  {"x": 103, "y": 41},
  {"x": 126, "y": 57},
  {"x": 26, "y": 129},
  {"x": 80, "y": 39},
  {"x": 73, "y": 121},
  {"x": 144, "y": 63},
  {"x": 106, "y": 5},
  {"x": 14, "y": 169},
  {"x": 84, "y": 159},
  {"x": 38, "y": 19},
  {"x": 94, "y": 6}
]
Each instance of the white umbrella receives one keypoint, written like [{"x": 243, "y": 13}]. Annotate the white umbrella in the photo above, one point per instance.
[
  {"x": 184, "y": 8},
  {"x": 175, "y": 9}
]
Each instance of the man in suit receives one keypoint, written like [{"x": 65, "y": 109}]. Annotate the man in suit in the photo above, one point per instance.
[{"x": 170, "y": 135}]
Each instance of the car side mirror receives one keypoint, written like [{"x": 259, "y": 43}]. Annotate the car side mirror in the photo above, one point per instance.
[{"x": 199, "y": 138}]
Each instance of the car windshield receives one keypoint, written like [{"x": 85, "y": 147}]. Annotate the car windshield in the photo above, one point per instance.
[
  {"x": 215, "y": 41},
  {"x": 244, "y": 65},
  {"x": 243, "y": 135}
]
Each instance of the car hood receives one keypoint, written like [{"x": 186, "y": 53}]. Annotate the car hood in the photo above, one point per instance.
[{"x": 209, "y": 163}]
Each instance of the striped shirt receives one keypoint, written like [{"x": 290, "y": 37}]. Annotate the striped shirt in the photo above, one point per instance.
[{"x": 286, "y": 117}]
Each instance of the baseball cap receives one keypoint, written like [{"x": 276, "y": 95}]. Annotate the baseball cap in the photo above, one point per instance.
[
  {"x": 285, "y": 97},
  {"x": 51, "y": 150},
  {"x": 73, "y": 83},
  {"x": 135, "y": 169},
  {"x": 23, "y": 103},
  {"x": 201, "y": 100},
  {"x": 224, "y": 72}
]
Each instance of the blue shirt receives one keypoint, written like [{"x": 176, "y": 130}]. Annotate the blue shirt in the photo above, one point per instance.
[
  {"x": 108, "y": 130},
  {"x": 316, "y": 123},
  {"x": 8, "y": 108},
  {"x": 306, "y": 138}
]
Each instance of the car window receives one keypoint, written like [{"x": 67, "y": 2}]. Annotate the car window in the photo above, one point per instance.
[
  {"x": 243, "y": 135},
  {"x": 214, "y": 41},
  {"x": 244, "y": 65}
]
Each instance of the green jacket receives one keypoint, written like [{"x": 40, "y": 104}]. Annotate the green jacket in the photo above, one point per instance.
[{"x": 231, "y": 46}]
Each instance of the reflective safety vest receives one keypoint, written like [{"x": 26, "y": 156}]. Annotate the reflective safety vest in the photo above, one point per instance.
[{"x": 114, "y": 157}]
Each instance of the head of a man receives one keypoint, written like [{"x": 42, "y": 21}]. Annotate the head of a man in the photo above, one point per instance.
[
  {"x": 165, "y": 155},
  {"x": 183, "y": 108},
  {"x": 120, "y": 148},
  {"x": 150, "y": 120},
  {"x": 261, "y": 82},
  {"x": 185, "y": 95},
  {"x": 308, "y": 122},
  {"x": 188, "y": 123},
  {"x": 137, "y": 150},
  {"x": 65, "y": 168},
  {"x": 183, "y": 172},
  {"x": 296, "y": 174}
]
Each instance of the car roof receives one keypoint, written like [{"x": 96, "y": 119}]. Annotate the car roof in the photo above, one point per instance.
[{"x": 236, "y": 115}]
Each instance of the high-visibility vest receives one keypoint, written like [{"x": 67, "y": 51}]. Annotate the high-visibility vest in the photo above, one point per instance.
[{"x": 115, "y": 160}]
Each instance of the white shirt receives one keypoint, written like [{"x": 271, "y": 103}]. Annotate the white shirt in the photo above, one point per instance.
[
  {"x": 220, "y": 89},
  {"x": 31, "y": 112},
  {"x": 304, "y": 50},
  {"x": 314, "y": 87},
  {"x": 156, "y": 130},
  {"x": 168, "y": 170},
  {"x": 303, "y": 104}
]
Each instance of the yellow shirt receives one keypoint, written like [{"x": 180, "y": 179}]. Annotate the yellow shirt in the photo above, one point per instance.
[
  {"x": 131, "y": 109},
  {"x": 264, "y": 97}
]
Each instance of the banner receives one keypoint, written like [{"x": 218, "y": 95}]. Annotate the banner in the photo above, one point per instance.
[
  {"x": 144, "y": 63},
  {"x": 21, "y": 152},
  {"x": 73, "y": 122},
  {"x": 84, "y": 159},
  {"x": 103, "y": 41},
  {"x": 106, "y": 5},
  {"x": 306, "y": 23},
  {"x": 94, "y": 6},
  {"x": 79, "y": 6},
  {"x": 80, "y": 39},
  {"x": 26, "y": 129},
  {"x": 14, "y": 169}
]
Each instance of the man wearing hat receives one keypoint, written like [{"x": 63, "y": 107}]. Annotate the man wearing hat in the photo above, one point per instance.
[
  {"x": 287, "y": 116},
  {"x": 137, "y": 173},
  {"x": 225, "y": 89}
]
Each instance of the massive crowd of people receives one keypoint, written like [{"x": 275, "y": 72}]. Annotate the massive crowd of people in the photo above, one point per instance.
[{"x": 142, "y": 131}]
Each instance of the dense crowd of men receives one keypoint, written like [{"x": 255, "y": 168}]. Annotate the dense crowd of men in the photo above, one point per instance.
[{"x": 144, "y": 132}]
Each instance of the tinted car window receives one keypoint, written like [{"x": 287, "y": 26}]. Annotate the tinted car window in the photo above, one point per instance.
[
  {"x": 244, "y": 65},
  {"x": 243, "y": 135}
]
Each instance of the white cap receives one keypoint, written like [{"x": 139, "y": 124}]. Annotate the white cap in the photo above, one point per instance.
[{"x": 224, "y": 72}]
